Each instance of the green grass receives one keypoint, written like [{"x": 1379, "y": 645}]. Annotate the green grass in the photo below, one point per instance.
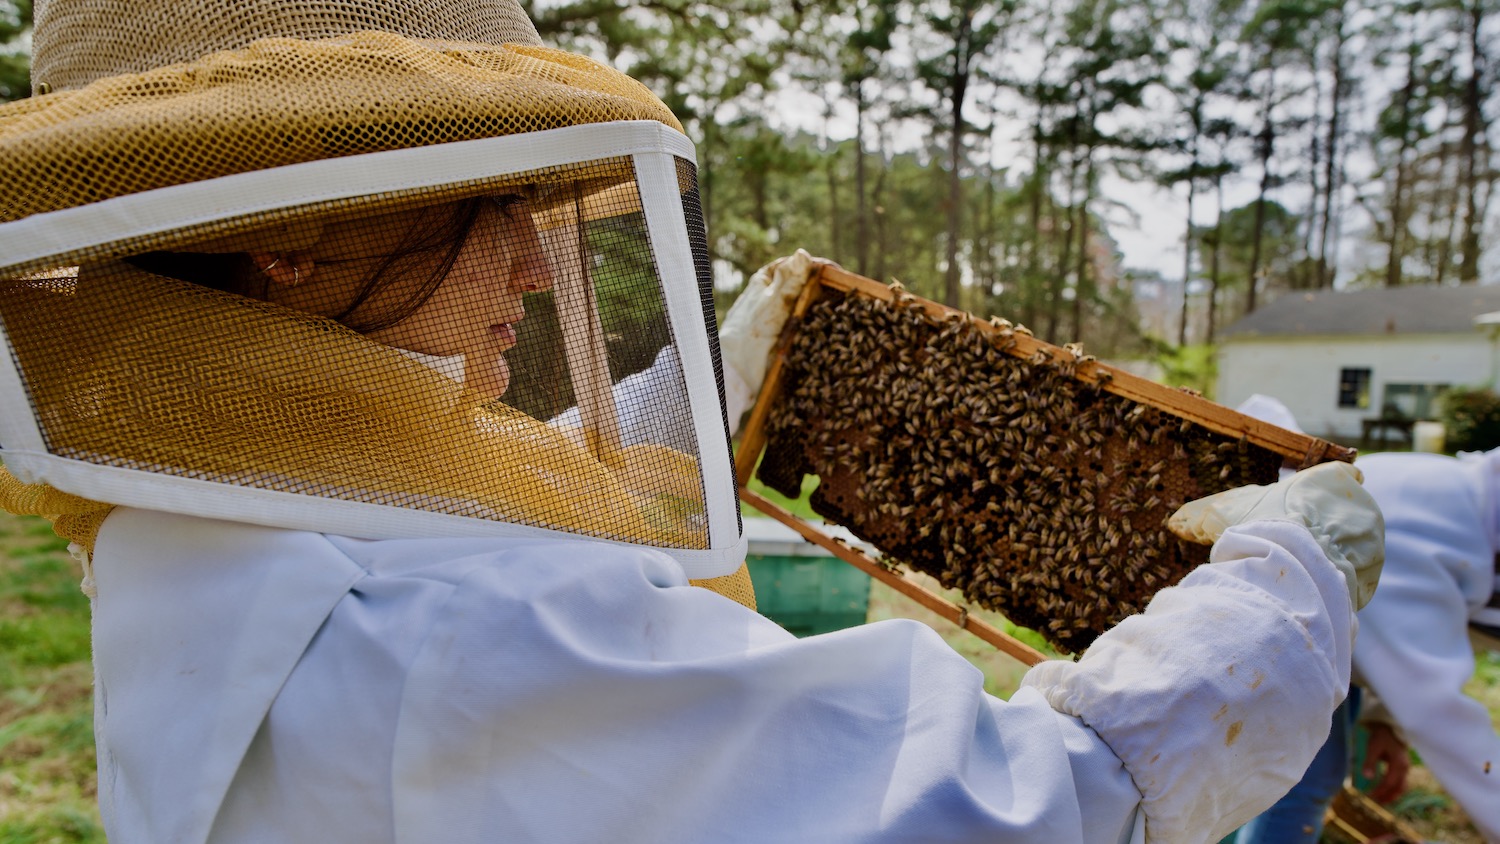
[
  {"x": 1002, "y": 674},
  {"x": 47, "y": 779},
  {"x": 1485, "y": 685},
  {"x": 798, "y": 506}
]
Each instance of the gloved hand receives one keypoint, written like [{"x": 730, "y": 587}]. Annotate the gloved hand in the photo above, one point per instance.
[
  {"x": 1326, "y": 499},
  {"x": 755, "y": 321}
]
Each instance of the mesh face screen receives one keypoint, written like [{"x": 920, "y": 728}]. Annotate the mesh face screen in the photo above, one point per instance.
[
  {"x": 501, "y": 352},
  {"x": 692, "y": 210}
]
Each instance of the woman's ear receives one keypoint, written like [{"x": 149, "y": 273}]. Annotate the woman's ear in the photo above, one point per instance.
[{"x": 284, "y": 269}]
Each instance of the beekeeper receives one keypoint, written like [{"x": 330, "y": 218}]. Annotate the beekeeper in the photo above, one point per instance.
[
  {"x": 1297, "y": 817},
  {"x": 1439, "y": 600},
  {"x": 290, "y": 291}
]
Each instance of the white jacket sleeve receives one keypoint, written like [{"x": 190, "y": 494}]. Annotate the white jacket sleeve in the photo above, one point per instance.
[{"x": 1218, "y": 695}]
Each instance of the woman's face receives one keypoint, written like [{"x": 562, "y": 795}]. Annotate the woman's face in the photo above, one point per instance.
[
  {"x": 475, "y": 310},
  {"x": 476, "y": 306}
]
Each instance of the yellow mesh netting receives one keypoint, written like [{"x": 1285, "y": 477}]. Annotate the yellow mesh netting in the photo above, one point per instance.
[
  {"x": 186, "y": 381},
  {"x": 736, "y": 587},
  {"x": 102, "y": 378},
  {"x": 284, "y": 101},
  {"x": 78, "y": 41},
  {"x": 74, "y": 519}
]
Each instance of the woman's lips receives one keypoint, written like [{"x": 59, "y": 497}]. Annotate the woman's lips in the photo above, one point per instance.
[{"x": 505, "y": 333}]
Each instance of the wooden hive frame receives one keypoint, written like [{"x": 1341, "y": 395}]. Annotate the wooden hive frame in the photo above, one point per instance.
[
  {"x": 1355, "y": 818},
  {"x": 1297, "y": 449}
]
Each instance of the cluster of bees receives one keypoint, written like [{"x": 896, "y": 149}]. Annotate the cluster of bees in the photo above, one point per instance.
[{"x": 1036, "y": 493}]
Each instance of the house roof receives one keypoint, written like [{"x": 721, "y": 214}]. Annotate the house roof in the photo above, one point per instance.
[{"x": 1425, "y": 309}]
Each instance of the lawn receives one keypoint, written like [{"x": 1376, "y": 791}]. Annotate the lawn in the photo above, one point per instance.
[{"x": 47, "y": 784}]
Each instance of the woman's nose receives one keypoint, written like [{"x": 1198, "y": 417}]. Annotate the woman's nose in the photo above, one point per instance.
[{"x": 530, "y": 272}]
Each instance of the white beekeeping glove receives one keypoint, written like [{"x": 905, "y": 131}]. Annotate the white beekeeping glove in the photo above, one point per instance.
[
  {"x": 1326, "y": 499},
  {"x": 754, "y": 322}
]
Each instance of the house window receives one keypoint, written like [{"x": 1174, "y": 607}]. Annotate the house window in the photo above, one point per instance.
[
  {"x": 1413, "y": 401},
  {"x": 1354, "y": 387}
]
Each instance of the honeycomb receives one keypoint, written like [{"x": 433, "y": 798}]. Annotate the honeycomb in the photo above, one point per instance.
[{"x": 1035, "y": 493}]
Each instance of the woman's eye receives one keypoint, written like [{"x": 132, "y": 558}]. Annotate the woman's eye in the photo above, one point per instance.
[{"x": 507, "y": 202}]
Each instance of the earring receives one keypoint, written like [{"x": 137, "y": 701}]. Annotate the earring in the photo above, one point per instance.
[{"x": 280, "y": 264}]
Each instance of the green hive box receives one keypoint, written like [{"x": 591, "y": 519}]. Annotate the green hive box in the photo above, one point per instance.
[{"x": 801, "y": 586}]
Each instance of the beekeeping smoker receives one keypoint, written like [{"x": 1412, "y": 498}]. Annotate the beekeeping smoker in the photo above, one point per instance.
[{"x": 364, "y": 351}]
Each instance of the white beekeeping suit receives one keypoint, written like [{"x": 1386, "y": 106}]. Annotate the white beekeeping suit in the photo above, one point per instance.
[
  {"x": 1438, "y": 592},
  {"x": 1414, "y": 650},
  {"x": 464, "y": 690}
]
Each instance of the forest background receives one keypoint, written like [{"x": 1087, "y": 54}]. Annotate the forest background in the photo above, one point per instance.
[{"x": 1043, "y": 160}]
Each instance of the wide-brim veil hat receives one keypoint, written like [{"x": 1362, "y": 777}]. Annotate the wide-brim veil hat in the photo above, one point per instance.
[
  {"x": 239, "y": 127},
  {"x": 172, "y": 93}
]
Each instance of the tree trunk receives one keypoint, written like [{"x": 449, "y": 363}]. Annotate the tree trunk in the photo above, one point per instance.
[
  {"x": 833, "y": 200},
  {"x": 1039, "y": 179},
  {"x": 1065, "y": 262},
  {"x": 1448, "y": 191},
  {"x": 1213, "y": 272},
  {"x": 1187, "y": 250},
  {"x": 1333, "y": 174},
  {"x": 875, "y": 194},
  {"x": 1474, "y": 97},
  {"x": 958, "y": 87},
  {"x": 706, "y": 192},
  {"x": 955, "y": 199},
  {"x": 861, "y": 214},
  {"x": 1265, "y": 145},
  {"x": 1305, "y": 276},
  {"x": 985, "y": 265},
  {"x": 1397, "y": 253},
  {"x": 1081, "y": 281}
]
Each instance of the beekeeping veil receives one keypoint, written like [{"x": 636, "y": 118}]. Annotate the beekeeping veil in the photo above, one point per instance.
[{"x": 224, "y": 224}]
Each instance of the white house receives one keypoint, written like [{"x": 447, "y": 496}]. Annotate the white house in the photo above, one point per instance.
[{"x": 1338, "y": 359}]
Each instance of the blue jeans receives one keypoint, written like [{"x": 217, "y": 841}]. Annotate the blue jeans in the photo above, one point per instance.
[{"x": 1297, "y": 818}]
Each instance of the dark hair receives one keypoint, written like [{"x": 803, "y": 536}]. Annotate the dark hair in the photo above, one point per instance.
[{"x": 431, "y": 234}]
